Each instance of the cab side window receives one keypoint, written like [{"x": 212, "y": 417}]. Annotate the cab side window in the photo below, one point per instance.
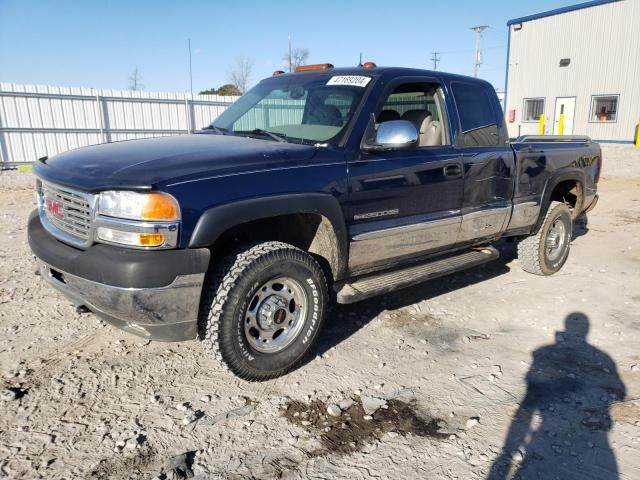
[
  {"x": 420, "y": 104},
  {"x": 477, "y": 116}
]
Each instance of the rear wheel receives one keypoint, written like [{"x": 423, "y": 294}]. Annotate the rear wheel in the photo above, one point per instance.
[
  {"x": 546, "y": 252},
  {"x": 262, "y": 310}
]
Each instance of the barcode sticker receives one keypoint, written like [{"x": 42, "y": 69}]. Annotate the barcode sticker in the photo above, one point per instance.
[{"x": 353, "y": 80}]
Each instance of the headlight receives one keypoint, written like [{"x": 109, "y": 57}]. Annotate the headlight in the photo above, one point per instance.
[
  {"x": 138, "y": 206},
  {"x": 144, "y": 220}
]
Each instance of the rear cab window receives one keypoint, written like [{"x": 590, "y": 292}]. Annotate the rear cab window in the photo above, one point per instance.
[{"x": 478, "y": 119}]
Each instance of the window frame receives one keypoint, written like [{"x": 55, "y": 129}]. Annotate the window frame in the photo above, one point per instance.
[
  {"x": 593, "y": 97},
  {"x": 524, "y": 108},
  {"x": 439, "y": 102}
]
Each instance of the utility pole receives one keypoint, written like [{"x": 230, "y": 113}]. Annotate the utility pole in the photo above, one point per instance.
[
  {"x": 478, "y": 58},
  {"x": 435, "y": 60},
  {"x": 190, "y": 71}
]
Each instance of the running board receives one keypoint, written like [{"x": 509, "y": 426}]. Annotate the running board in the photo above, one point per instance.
[{"x": 385, "y": 282}]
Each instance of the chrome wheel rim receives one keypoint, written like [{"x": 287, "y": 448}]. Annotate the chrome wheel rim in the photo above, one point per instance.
[
  {"x": 556, "y": 240},
  {"x": 276, "y": 315}
]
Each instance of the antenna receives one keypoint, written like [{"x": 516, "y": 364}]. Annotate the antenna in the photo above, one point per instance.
[
  {"x": 435, "y": 60},
  {"x": 360, "y": 61},
  {"x": 478, "y": 56}
]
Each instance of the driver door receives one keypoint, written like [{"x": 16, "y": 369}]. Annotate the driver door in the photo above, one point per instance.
[{"x": 406, "y": 203}]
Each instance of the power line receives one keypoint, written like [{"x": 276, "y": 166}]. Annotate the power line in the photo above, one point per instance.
[{"x": 435, "y": 60}]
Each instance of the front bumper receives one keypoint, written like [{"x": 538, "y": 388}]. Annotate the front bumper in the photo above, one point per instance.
[{"x": 152, "y": 294}]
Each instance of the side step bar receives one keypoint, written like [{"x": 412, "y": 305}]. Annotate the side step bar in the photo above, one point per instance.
[{"x": 385, "y": 282}]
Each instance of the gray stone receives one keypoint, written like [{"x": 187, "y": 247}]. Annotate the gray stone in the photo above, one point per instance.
[
  {"x": 371, "y": 404},
  {"x": 9, "y": 394},
  {"x": 333, "y": 410},
  {"x": 236, "y": 412},
  {"x": 472, "y": 422},
  {"x": 192, "y": 417},
  {"x": 346, "y": 404}
]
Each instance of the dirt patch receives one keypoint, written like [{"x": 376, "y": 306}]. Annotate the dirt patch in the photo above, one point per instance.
[
  {"x": 628, "y": 411},
  {"x": 435, "y": 330},
  {"x": 126, "y": 466},
  {"x": 627, "y": 217},
  {"x": 353, "y": 429}
]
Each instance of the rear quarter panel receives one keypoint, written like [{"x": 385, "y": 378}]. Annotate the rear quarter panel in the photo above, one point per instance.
[{"x": 540, "y": 166}]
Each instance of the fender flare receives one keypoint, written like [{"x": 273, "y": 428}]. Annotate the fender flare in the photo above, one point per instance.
[
  {"x": 214, "y": 221},
  {"x": 552, "y": 182}
]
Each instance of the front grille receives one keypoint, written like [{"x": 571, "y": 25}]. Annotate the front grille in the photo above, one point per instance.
[{"x": 67, "y": 211}]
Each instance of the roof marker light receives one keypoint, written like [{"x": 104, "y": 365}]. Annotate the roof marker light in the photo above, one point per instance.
[
  {"x": 369, "y": 65},
  {"x": 317, "y": 66}
]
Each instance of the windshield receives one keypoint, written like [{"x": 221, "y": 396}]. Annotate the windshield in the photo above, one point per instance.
[{"x": 298, "y": 109}]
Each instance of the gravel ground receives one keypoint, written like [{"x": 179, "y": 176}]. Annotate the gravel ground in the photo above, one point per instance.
[{"x": 476, "y": 375}]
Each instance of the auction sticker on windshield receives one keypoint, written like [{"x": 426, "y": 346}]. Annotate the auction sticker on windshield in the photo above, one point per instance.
[{"x": 354, "y": 80}]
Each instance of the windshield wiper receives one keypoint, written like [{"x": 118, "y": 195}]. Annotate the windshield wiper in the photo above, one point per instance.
[
  {"x": 278, "y": 137},
  {"x": 218, "y": 130}
]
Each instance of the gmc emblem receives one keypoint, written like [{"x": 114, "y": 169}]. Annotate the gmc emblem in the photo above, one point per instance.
[{"x": 54, "y": 207}]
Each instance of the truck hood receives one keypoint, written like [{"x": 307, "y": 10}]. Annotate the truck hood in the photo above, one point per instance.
[{"x": 152, "y": 162}]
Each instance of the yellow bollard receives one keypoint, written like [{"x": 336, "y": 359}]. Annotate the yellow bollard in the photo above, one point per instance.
[
  {"x": 541, "y": 129},
  {"x": 561, "y": 124},
  {"x": 638, "y": 135}
]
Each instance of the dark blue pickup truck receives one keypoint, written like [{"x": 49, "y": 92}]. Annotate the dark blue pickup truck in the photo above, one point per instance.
[{"x": 327, "y": 184}]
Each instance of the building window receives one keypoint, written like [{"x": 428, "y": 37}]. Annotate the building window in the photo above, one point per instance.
[
  {"x": 533, "y": 108},
  {"x": 604, "y": 108}
]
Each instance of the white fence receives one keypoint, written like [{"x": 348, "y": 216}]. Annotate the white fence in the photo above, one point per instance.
[{"x": 38, "y": 120}]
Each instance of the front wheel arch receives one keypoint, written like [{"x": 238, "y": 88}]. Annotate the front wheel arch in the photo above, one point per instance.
[{"x": 217, "y": 221}]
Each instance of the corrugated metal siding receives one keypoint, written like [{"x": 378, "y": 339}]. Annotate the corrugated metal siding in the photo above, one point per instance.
[
  {"x": 603, "y": 43},
  {"x": 37, "y": 120}
]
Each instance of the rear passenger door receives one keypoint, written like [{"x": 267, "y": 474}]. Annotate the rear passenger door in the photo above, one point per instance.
[
  {"x": 488, "y": 163},
  {"x": 405, "y": 203}
]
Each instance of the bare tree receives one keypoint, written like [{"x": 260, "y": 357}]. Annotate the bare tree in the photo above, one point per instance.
[
  {"x": 135, "y": 80},
  {"x": 241, "y": 73},
  {"x": 295, "y": 57}
]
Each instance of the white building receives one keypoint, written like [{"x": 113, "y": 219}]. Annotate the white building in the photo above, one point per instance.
[{"x": 582, "y": 60}]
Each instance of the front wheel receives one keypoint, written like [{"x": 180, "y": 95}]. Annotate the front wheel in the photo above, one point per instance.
[
  {"x": 546, "y": 252},
  {"x": 262, "y": 310}
]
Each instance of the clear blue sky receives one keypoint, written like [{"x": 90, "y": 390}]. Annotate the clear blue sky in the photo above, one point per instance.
[{"x": 99, "y": 43}]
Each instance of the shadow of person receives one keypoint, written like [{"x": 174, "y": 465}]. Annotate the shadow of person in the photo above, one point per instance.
[{"x": 560, "y": 430}]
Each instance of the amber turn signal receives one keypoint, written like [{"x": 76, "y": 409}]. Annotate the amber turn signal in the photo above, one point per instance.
[
  {"x": 159, "y": 207},
  {"x": 150, "y": 239}
]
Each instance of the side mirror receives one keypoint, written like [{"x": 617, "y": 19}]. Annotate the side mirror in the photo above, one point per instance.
[{"x": 392, "y": 135}]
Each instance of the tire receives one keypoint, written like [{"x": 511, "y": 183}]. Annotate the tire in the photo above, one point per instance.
[
  {"x": 546, "y": 252},
  {"x": 250, "y": 296}
]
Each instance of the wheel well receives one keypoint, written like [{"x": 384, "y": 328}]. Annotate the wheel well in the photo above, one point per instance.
[
  {"x": 310, "y": 232},
  {"x": 570, "y": 193}
]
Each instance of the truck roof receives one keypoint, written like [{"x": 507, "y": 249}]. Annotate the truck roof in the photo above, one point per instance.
[{"x": 388, "y": 72}]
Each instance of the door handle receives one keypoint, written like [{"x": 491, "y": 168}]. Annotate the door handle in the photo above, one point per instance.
[{"x": 453, "y": 171}]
